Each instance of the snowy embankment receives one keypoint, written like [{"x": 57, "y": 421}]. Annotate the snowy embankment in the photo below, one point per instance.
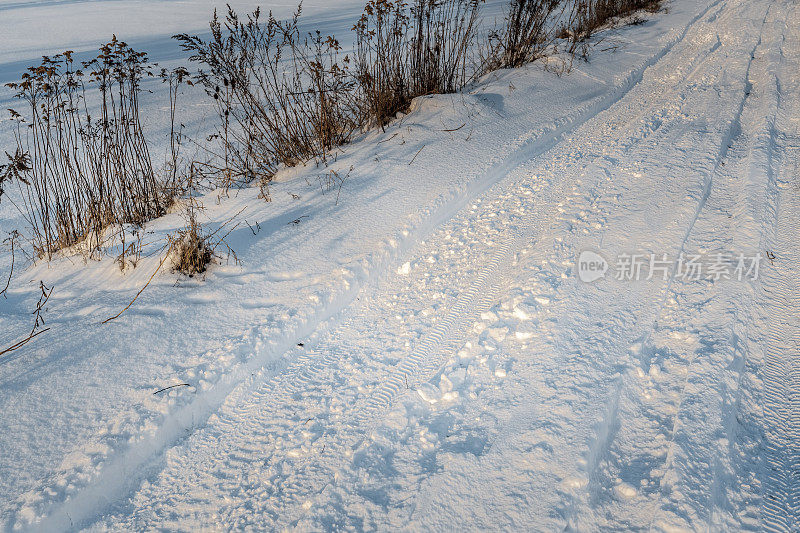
[{"x": 418, "y": 353}]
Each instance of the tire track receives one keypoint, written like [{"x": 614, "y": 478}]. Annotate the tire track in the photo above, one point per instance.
[
  {"x": 115, "y": 481},
  {"x": 778, "y": 295},
  {"x": 611, "y": 419},
  {"x": 618, "y": 152},
  {"x": 427, "y": 358},
  {"x": 411, "y": 367},
  {"x": 690, "y": 444},
  {"x": 781, "y": 373}
]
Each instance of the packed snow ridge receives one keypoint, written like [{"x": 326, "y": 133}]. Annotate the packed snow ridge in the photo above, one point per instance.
[{"x": 577, "y": 311}]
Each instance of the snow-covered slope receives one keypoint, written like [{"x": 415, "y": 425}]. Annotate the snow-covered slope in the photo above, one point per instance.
[{"x": 418, "y": 352}]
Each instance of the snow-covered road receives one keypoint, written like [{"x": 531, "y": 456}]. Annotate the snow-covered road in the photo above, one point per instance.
[{"x": 437, "y": 364}]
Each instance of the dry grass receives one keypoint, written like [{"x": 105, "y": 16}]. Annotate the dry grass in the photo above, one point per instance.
[
  {"x": 80, "y": 172},
  {"x": 407, "y": 51},
  {"x": 191, "y": 250},
  {"x": 525, "y": 34},
  {"x": 282, "y": 98},
  {"x": 587, "y": 16}
]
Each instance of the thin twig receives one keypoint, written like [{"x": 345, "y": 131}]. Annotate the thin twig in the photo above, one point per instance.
[
  {"x": 107, "y": 320},
  {"x": 251, "y": 227},
  {"x": 297, "y": 220},
  {"x": 456, "y": 129},
  {"x": 11, "y": 273},
  {"x": 389, "y": 139},
  {"x": 415, "y": 155},
  {"x": 171, "y": 387},
  {"x": 228, "y": 222},
  {"x": 23, "y": 342}
]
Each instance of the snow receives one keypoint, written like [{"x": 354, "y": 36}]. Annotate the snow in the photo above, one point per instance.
[
  {"x": 82, "y": 25},
  {"x": 419, "y": 353}
]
